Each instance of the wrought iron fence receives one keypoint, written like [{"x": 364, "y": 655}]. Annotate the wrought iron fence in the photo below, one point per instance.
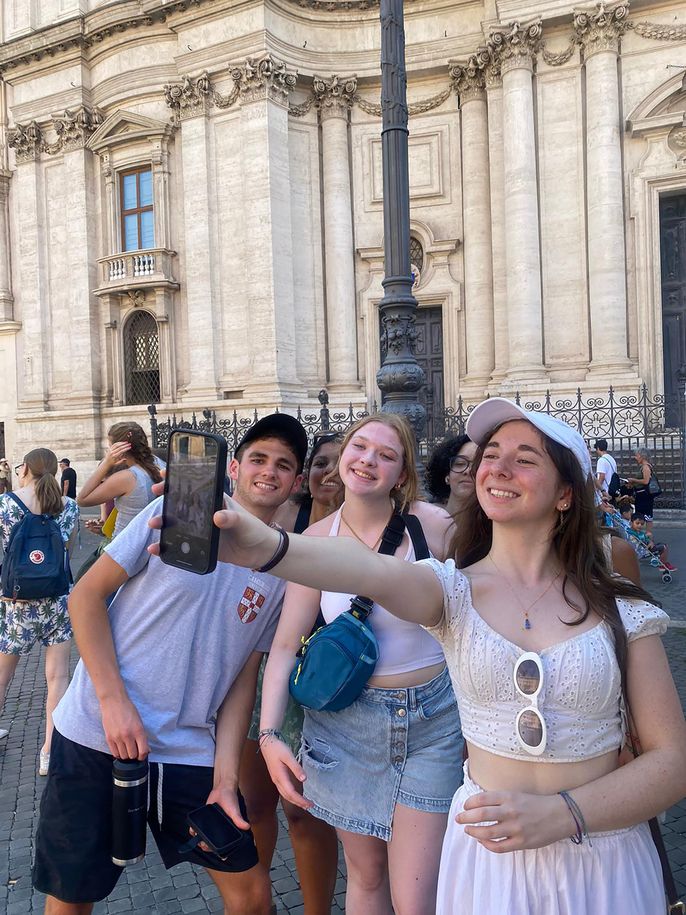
[{"x": 627, "y": 421}]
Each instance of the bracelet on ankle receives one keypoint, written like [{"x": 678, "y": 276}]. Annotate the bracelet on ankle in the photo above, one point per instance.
[{"x": 281, "y": 549}]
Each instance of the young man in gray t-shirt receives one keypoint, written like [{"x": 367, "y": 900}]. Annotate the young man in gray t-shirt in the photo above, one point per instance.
[{"x": 169, "y": 673}]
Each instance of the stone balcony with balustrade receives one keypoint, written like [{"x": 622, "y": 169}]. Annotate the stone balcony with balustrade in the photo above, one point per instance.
[{"x": 129, "y": 270}]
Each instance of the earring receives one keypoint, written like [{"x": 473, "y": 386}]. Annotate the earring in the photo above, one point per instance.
[{"x": 563, "y": 508}]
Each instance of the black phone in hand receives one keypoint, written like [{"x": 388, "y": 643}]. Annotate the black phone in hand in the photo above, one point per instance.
[
  {"x": 216, "y": 829},
  {"x": 193, "y": 492}
]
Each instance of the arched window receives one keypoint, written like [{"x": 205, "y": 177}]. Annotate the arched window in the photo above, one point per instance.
[
  {"x": 416, "y": 253},
  {"x": 142, "y": 359}
]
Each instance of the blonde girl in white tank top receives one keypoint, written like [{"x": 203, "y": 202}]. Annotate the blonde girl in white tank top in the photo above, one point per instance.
[{"x": 377, "y": 469}]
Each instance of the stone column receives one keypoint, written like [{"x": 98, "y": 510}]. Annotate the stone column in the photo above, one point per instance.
[
  {"x": 476, "y": 205},
  {"x": 334, "y": 99},
  {"x": 203, "y": 332},
  {"x": 76, "y": 375},
  {"x": 515, "y": 50},
  {"x": 6, "y": 299},
  {"x": 494, "y": 93},
  {"x": 599, "y": 32},
  {"x": 33, "y": 349},
  {"x": 264, "y": 86}
]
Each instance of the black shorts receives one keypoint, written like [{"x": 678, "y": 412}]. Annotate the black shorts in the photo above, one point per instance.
[{"x": 73, "y": 840}]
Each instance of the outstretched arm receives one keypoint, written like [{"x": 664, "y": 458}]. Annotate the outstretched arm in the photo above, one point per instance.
[{"x": 410, "y": 591}]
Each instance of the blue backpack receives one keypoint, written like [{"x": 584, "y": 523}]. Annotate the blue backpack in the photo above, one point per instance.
[{"x": 36, "y": 563}]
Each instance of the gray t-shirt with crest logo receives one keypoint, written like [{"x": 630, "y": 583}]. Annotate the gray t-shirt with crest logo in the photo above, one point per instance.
[{"x": 181, "y": 640}]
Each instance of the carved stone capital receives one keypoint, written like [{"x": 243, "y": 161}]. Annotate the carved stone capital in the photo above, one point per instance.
[
  {"x": 263, "y": 78},
  {"x": 27, "y": 141},
  {"x": 493, "y": 75},
  {"x": 515, "y": 47},
  {"x": 601, "y": 28},
  {"x": 468, "y": 80},
  {"x": 74, "y": 127},
  {"x": 191, "y": 98},
  {"x": 334, "y": 97}
]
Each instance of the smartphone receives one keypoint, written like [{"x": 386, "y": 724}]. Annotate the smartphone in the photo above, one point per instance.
[
  {"x": 216, "y": 829},
  {"x": 193, "y": 492}
]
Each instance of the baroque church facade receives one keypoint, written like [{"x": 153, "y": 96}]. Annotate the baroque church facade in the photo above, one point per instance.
[{"x": 191, "y": 205}]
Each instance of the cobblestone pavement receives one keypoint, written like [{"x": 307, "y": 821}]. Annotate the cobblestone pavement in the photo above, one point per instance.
[{"x": 148, "y": 887}]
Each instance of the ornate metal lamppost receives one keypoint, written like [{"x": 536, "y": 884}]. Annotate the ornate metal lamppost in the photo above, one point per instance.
[{"x": 400, "y": 376}]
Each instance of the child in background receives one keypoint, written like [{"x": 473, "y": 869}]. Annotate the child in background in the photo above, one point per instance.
[{"x": 638, "y": 530}]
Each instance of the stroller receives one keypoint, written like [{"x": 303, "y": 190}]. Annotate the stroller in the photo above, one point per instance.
[{"x": 625, "y": 531}]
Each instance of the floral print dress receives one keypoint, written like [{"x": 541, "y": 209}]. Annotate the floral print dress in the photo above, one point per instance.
[{"x": 44, "y": 620}]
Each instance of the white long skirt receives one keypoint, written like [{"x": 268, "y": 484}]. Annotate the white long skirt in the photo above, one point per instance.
[{"x": 619, "y": 873}]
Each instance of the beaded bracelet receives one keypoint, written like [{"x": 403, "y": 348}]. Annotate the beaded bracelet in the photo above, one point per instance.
[
  {"x": 578, "y": 818},
  {"x": 280, "y": 552}
]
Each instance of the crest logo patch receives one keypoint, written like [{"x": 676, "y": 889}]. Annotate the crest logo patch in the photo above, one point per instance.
[
  {"x": 249, "y": 605},
  {"x": 36, "y": 557}
]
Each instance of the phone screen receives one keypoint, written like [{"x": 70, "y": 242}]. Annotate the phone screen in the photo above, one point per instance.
[{"x": 196, "y": 468}]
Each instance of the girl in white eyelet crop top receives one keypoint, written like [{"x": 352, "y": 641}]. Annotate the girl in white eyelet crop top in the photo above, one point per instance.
[
  {"x": 581, "y": 697},
  {"x": 403, "y": 646}
]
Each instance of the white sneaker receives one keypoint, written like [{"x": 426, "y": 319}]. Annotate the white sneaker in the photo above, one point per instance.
[{"x": 3, "y": 733}]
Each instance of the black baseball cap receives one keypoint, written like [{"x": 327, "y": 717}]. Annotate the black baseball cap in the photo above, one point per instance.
[{"x": 279, "y": 425}]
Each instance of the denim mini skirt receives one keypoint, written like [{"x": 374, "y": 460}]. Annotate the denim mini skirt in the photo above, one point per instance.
[{"x": 391, "y": 746}]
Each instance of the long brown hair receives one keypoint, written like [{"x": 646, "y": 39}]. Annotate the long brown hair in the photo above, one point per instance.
[
  {"x": 576, "y": 540},
  {"x": 406, "y": 494},
  {"x": 140, "y": 449},
  {"x": 42, "y": 464}
]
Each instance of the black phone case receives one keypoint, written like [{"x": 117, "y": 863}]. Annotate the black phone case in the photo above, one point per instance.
[
  {"x": 167, "y": 553},
  {"x": 216, "y": 829}
]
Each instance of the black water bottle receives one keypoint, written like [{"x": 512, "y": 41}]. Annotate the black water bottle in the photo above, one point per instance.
[{"x": 129, "y": 810}]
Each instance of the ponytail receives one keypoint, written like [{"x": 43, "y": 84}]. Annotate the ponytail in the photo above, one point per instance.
[{"x": 42, "y": 464}]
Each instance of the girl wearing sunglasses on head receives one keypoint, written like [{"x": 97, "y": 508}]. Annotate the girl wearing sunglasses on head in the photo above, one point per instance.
[{"x": 543, "y": 643}]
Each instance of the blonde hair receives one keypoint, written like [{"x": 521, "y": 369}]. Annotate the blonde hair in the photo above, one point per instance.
[
  {"x": 42, "y": 464},
  {"x": 405, "y": 494}
]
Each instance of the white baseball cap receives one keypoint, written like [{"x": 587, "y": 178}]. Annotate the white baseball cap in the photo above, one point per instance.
[{"x": 497, "y": 410}]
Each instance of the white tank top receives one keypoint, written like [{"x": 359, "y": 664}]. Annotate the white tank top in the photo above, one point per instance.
[{"x": 403, "y": 646}]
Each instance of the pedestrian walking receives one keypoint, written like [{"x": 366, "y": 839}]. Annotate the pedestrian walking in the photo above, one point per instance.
[
  {"x": 5, "y": 476},
  {"x": 23, "y": 623},
  {"x": 644, "y": 498},
  {"x": 68, "y": 479}
]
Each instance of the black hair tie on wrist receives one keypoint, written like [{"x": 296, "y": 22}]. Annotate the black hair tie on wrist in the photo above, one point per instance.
[{"x": 281, "y": 549}]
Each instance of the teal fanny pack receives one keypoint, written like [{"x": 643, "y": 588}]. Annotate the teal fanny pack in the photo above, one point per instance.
[{"x": 338, "y": 659}]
